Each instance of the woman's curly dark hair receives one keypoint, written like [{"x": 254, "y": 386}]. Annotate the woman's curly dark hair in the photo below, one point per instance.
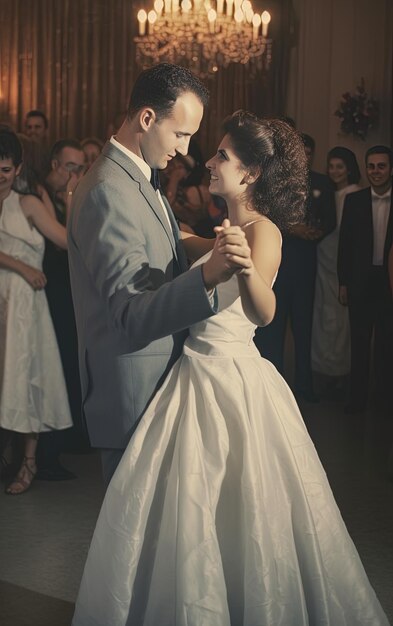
[{"x": 275, "y": 149}]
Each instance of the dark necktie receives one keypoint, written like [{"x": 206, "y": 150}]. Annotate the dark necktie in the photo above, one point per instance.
[{"x": 155, "y": 179}]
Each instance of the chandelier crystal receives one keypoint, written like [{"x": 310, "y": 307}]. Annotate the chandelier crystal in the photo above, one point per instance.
[{"x": 204, "y": 35}]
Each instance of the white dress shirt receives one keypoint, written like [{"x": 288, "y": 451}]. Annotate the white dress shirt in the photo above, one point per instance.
[{"x": 381, "y": 210}]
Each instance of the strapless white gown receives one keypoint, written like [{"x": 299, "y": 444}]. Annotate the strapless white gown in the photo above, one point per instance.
[{"x": 220, "y": 513}]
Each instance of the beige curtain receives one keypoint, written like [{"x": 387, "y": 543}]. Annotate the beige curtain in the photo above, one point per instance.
[
  {"x": 74, "y": 59},
  {"x": 69, "y": 58},
  {"x": 340, "y": 41}
]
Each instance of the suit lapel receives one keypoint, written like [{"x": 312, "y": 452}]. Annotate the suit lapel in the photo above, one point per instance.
[{"x": 146, "y": 189}]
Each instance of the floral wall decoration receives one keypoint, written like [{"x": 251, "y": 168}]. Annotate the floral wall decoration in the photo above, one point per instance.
[{"x": 358, "y": 112}]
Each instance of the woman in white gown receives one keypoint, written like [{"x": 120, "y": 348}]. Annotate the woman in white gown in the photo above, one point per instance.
[
  {"x": 33, "y": 396},
  {"x": 330, "y": 346},
  {"x": 220, "y": 513}
]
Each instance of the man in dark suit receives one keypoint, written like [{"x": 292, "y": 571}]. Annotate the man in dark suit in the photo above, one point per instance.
[
  {"x": 295, "y": 284},
  {"x": 365, "y": 240}
]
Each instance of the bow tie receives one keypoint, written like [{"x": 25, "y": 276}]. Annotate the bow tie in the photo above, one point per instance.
[{"x": 155, "y": 179}]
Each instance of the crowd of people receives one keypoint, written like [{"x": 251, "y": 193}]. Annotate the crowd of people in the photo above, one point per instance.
[
  {"x": 332, "y": 285},
  {"x": 155, "y": 331}
]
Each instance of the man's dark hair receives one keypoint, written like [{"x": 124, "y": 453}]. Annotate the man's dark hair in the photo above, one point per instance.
[
  {"x": 37, "y": 113},
  {"x": 160, "y": 86},
  {"x": 380, "y": 150},
  {"x": 308, "y": 141},
  {"x": 64, "y": 143}
]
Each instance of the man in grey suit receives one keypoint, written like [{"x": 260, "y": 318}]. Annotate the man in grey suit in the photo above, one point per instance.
[{"x": 133, "y": 299}]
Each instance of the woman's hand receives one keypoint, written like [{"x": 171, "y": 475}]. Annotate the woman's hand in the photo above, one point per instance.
[
  {"x": 230, "y": 255},
  {"x": 232, "y": 242},
  {"x": 35, "y": 278}
]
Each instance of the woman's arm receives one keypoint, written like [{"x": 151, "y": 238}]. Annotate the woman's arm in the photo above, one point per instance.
[
  {"x": 48, "y": 226},
  {"x": 255, "y": 281},
  {"x": 195, "y": 246},
  {"x": 35, "y": 278}
]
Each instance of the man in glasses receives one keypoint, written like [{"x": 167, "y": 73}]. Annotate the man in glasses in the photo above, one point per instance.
[{"x": 66, "y": 159}]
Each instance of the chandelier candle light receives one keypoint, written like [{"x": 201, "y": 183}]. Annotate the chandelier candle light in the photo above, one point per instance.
[{"x": 204, "y": 35}]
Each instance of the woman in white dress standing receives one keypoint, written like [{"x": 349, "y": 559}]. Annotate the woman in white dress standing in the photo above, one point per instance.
[
  {"x": 33, "y": 396},
  {"x": 330, "y": 348},
  {"x": 220, "y": 513}
]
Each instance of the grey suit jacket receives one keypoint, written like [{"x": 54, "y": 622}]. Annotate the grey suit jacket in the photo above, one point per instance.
[{"x": 133, "y": 303}]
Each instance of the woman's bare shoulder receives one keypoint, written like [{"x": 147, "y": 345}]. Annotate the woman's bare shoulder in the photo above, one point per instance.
[{"x": 263, "y": 227}]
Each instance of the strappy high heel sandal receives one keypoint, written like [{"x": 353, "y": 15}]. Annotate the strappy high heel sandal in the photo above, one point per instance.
[{"x": 24, "y": 477}]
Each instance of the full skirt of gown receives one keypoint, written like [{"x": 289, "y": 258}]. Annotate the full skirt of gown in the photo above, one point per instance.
[{"x": 220, "y": 513}]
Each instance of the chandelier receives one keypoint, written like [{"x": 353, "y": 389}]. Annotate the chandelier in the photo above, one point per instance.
[{"x": 204, "y": 35}]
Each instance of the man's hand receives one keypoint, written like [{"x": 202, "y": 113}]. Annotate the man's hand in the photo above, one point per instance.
[
  {"x": 231, "y": 254},
  {"x": 343, "y": 295}
]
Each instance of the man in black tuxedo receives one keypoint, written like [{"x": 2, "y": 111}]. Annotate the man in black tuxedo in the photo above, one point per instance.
[
  {"x": 364, "y": 244},
  {"x": 295, "y": 284}
]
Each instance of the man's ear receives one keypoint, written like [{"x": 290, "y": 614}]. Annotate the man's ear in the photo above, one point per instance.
[
  {"x": 54, "y": 163},
  {"x": 147, "y": 117}
]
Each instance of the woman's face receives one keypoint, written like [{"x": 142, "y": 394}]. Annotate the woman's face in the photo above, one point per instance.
[
  {"x": 338, "y": 172},
  {"x": 8, "y": 172},
  {"x": 227, "y": 172}
]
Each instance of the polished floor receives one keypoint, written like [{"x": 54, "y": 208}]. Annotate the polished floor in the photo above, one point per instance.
[{"x": 44, "y": 534}]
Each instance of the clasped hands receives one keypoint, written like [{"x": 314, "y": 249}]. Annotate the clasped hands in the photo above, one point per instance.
[{"x": 231, "y": 255}]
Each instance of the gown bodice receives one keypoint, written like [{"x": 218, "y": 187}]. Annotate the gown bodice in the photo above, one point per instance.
[
  {"x": 227, "y": 332},
  {"x": 17, "y": 237}
]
